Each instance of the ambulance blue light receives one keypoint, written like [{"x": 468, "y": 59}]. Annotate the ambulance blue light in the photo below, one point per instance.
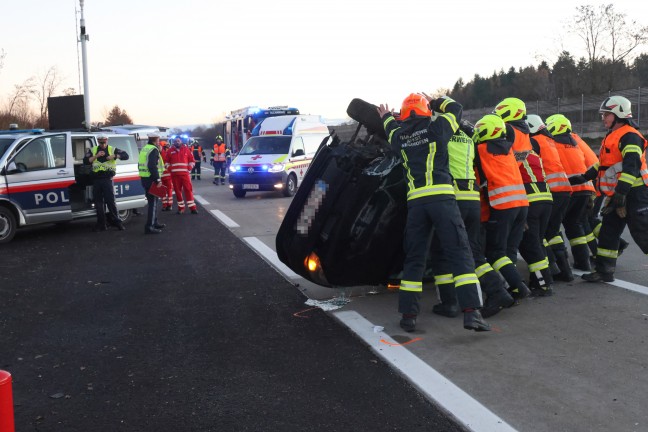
[
  {"x": 289, "y": 128},
  {"x": 264, "y": 167}
]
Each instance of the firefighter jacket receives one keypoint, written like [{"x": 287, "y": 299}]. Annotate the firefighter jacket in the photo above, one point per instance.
[
  {"x": 198, "y": 152},
  {"x": 218, "y": 153},
  {"x": 150, "y": 163},
  {"x": 423, "y": 145},
  {"x": 461, "y": 152},
  {"x": 529, "y": 162},
  {"x": 179, "y": 160},
  {"x": 499, "y": 169},
  {"x": 622, "y": 161},
  {"x": 555, "y": 176},
  {"x": 573, "y": 160},
  {"x": 522, "y": 142}
]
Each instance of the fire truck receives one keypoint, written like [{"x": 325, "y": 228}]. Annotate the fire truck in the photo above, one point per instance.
[{"x": 240, "y": 123}]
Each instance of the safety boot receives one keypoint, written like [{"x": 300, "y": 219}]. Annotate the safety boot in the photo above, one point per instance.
[
  {"x": 408, "y": 322},
  {"x": 598, "y": 277},
  {"x": 520, "y": 292},
  {"x": 449, "y": 306},
  {"x": 473, "y": 320},
  {"x": 495, "y": 302},
  {"x": 623, "y": 245},
  {"x": 562, "y": 261},
  {"x": 581, "y": 255}
]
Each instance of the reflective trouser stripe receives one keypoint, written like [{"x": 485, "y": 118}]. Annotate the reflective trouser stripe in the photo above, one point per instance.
[
  {"x": 578, "y": 241},
  {"x": 497, "y": 265},
  {"x": 607, "y": 253},
  {"x": 540, "y": 265},
  {"x": 443, "y": 279},
  {"x": 465, "y": 279},
  {"x": 411, "y": 286},
  {"x": 483, "y": 269}
]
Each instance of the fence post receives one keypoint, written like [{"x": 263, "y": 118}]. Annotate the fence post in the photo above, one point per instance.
[
  {"x": 639, "y": 109},
  {"x": 6, "y": 403}
]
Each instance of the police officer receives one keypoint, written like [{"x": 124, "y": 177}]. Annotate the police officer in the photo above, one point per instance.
[
  {"x": 622, "y": 176},
  {"x": 104, "y": 166},
  {"x": 431, "y": 204},
  {"x": 151, "y": 167}
]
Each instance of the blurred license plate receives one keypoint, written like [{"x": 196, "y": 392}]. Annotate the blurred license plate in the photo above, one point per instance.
[{"x": 250, "y": 186}]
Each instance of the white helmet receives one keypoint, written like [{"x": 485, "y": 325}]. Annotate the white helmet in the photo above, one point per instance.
[
  {"x": 617, "y": 105},
  {"x": 535, "y": 123}
]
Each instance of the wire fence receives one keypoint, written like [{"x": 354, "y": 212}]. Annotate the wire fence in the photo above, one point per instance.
[{"x": 583, "y": 111}]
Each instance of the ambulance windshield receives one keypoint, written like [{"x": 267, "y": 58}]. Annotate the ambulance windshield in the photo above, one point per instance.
[{"x": 260, "y": 145}]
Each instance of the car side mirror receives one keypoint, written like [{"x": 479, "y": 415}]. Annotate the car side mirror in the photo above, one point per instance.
[
  {"x": 12, "y": 168},
  {"x": 298, "y": 152}
]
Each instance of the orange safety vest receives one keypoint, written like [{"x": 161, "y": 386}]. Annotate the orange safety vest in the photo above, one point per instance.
[
  {"x": 219, "y": 152},
  {"x": 611, "y": 166},
  {"x": 555, "y": 175},
  {"x": 504, "y": 181},
  {"x": 572, "y": 158}
]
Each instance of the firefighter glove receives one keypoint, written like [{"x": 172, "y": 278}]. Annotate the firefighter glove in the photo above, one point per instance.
[
  {"x": 617, "y": 203},
  {"x": 577, "y": 179}
]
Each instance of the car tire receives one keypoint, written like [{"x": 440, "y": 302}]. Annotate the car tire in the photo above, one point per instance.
[
  {"x": 125, "y": 215},
  {"x": 367, "y": 115},
  {"x": 238, "y": 192},
  {"x": 8, "y": 225},
  {"x": 291, "y": 186}
]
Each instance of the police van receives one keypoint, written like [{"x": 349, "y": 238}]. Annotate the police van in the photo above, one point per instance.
[
  {"x": 277, "y": 155},
  {"x": 43, "y": 178}
]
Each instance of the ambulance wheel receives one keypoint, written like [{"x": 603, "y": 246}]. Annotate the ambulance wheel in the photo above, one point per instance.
[
  {"x": 291, "y": 186},
  {"x": 238, "y": 192},
  {"x": 8, "y": 225},
  {"x": 125, "y": 215}
]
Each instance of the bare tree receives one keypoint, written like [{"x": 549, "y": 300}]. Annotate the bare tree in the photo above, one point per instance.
[
  {"x": 590, "y": 27},
  {"x": 2, "y": 57},
  {"x": 47, "y": 86},
  {"x": 623, "y": 37},
  {"x": 21, "y": 95}
]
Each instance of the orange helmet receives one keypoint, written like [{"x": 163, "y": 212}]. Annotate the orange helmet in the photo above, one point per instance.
[{"x": 415, "y": 105}]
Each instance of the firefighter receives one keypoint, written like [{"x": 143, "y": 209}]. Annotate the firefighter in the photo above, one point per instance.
[
  {"x": 513, "y": 113},
  {"x": 622, "y": 176},
  {"x": 167, "y": 201},
  {"x": 556, "y": 177},
  {"x": 199, "y": 156},
  {"x": 461, "y": 149},
  {"x": 431, "y": 205},
  {"x": 576, "y": 157},
  {"x": 180, "y": 161},
  {"x": 506, "y": 196},
  {"x": 219, "y": 160}
]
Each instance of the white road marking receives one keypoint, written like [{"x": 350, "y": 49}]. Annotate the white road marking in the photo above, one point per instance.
[
  {"x": 428, "y": 381},
  {"x": 201, "y": 200},
  {"x": 224, "y": 219},
  {"x": 270, "y": 256},
  {"x": 619, "y": 283}
]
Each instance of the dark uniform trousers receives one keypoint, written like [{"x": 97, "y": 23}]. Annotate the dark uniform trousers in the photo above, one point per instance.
[
  {"x": 153, "y": 204},
  {"x": 504, "y": 231},
  {"x": 195, "y": 171},
  {"x": 441, "y": 219},
  {"x": 576, "y": 226},
  {"x": 532, "y": 246},
  {"x": 613, "y": 226},
  {"x": 558, "y": 211},
  {"x": 103, "y": 192}
]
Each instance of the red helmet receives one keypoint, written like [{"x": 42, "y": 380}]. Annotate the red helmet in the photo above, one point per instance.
[{"x": 415, "y": 105}]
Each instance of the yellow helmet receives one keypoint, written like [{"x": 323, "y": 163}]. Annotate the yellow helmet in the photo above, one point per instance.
[
  {"x": 488, "y": 128},
  {"x": 558, "y": 124},
  {"x": 511, "y": 109}
]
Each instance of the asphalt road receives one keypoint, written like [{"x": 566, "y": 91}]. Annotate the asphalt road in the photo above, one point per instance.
[{"x": 189, "y": 330}]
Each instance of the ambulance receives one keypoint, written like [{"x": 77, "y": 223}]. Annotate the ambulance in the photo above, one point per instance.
[
  {"x": 277, "y": 155},
  {"x": 43, "y": 178}
]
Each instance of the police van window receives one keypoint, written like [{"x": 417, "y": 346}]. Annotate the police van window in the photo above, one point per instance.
[
  {"x": 298, "y": 144},
  {"x": 33, "y": 156},
  {"x": 127, "y": 144},
  {"x": 80, "y": 147},
  {"x": 4, "y": 145},
  {"x": 58, "y": 150}
]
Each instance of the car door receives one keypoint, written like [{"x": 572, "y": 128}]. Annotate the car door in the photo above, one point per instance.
[{"x": 39, "y": 173}]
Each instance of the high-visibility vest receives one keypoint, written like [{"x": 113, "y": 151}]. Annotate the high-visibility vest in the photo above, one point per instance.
[
  {"x": 572, "y": 158},
  {"x": 109, "y": 165},
  {"x": 611, "y": 161},
  {"x": 219, "y": 152},
  {"x": 142, "y": 163},
  {"x": 555, "y": 175},
  {"x": 461, "y": 155},
  {"x": 504, "y": 181}
]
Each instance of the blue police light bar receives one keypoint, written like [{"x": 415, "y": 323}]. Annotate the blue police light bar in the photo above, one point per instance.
[{"x": 21, "y": 131}]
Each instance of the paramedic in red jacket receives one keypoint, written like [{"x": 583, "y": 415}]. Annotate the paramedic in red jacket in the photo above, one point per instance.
[{"x": 180, "y": 161}]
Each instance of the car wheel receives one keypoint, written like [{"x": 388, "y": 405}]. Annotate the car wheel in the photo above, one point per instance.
[
  {"x": 291, "y": 186},
  {"x": 238, "y": 193},
  {"x": 8, "y": 225},
  {"x": 125, "y": 215}
]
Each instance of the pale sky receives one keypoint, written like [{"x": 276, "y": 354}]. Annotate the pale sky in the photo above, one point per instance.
[{"x": 179, "y": 62}]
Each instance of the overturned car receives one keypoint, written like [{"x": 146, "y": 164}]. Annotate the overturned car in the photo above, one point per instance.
[{"x": 345, "y": 224}]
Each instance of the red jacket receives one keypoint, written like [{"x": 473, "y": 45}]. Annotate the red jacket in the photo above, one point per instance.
[{"x": 179, "y": 161}]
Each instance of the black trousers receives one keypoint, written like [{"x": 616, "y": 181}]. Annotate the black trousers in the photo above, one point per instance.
[
  {"x": 195, "y": 171},
  {"x": 576, "y": 227},
  {"x": 558, "y": 211},
  {"x": 613, "y": 225},
  {"x": 532, "y": 246},
  {"x": 504, "y": 232},
  {"x": 440, "y": 218},
  {"x": 103, "y": 192},
  {"x": 153, "y": 205}
]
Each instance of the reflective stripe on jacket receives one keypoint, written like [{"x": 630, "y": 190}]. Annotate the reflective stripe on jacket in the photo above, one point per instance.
[
  {"x": 143, "y": 161},
  {"x": 555, "y": 175},
  {"x": 573, "y": 160},
  {"x": 503, "y": 178},
  {"x": 611, "y": 161},
  {"x": 109, "y": 165}
]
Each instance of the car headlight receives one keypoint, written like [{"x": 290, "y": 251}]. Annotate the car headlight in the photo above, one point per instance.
[
  {"x": 275, "y": 168},
  {"x": 234, "y": 168}
]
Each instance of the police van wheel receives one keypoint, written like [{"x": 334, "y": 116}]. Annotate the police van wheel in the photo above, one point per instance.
[
  {"x": 8, "y": 225},
  {"x": 238, "y": 193},
  {"x": 125, "y": 215},
  {"x": 291, "y": 186}
]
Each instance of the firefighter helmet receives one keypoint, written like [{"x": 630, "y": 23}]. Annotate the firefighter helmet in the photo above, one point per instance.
[
  {"x": 558, "y": 124},
  {"x": 535, "y": 123},
  {"x": 415, "y": 105},
  {"x": 617, "y": 105},
  {"x": 488, "y": 128},
  {"x": 511, "y": 109}
]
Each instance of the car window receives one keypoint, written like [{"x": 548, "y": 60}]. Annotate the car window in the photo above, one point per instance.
[
  {"x": 34, "y": 156},
  {"x": 4, "y": 145},
  {"x": 298, "y": 144},
  {"x": 266, "y": 145},
  {"x": 126, "y": 143},
  {"x": 59, "y": 147}
]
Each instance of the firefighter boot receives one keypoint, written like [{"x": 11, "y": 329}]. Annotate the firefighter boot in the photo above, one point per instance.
[
  {"x": 623, "y": 245},
  {"x": 408, "y": 322},
  {"x": 520, "y": 292},
  {"x": 473, "y": 320},
  {"x": 562, "y": 261},
  {"x": 497, "y": 298},
  {"x": 541, "y": 283},
  {"x": 581, "y": 255},
  {"x": 449, "y": 305}
]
